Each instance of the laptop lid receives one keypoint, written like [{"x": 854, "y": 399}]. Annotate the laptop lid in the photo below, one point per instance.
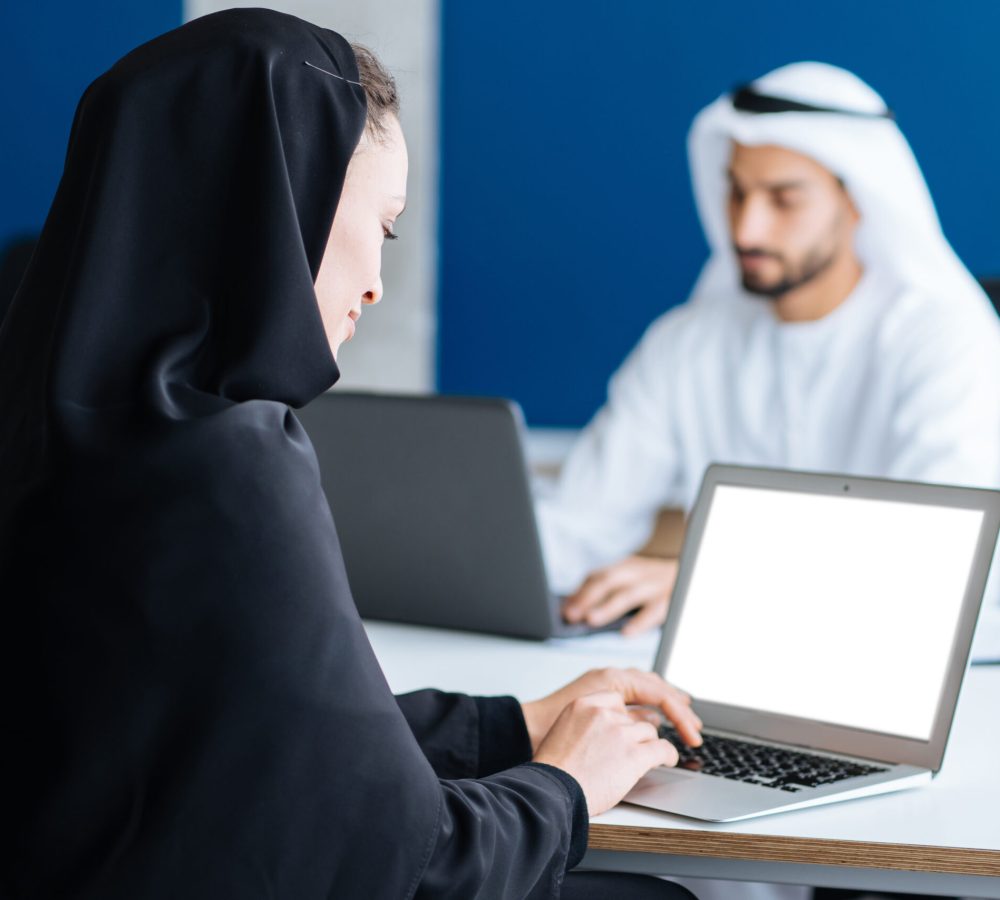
[
  {"x": 829, "y": 611},
  {"x": 433, "y": 508}
]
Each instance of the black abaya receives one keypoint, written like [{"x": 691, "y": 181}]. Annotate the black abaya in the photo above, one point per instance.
[{"x": 193, "y": 709}]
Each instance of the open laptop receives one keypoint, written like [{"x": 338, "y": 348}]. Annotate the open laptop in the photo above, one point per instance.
[
  {"x": 822, "y": 625},
  {"x": 433, "y": 507}
]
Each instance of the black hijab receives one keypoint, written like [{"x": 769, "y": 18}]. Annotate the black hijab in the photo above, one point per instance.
[{"x": 188, "y": 688}]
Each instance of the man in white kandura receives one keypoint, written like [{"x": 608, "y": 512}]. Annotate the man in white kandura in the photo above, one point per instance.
[{"x": 832, "y": 329}]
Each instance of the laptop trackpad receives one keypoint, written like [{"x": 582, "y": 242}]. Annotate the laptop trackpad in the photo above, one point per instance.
[{"x": 701, "y": 796}]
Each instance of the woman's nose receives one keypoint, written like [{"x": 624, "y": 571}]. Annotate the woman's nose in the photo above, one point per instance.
[{"x": 375, "y": 294}]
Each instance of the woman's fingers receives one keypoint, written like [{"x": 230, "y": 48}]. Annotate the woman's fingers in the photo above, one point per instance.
[
  {"x": 659, "y": 753},
  {"x": 644, "y": 731},
  {"x": 649, "y": 689},
  {"x": 645, "y": 714}
]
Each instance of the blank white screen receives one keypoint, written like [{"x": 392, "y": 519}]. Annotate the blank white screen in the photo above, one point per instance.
[{"x": 832, "y": 608}]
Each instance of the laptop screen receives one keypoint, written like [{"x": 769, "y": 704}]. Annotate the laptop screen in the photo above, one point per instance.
[{"x": 832, "y": 608}]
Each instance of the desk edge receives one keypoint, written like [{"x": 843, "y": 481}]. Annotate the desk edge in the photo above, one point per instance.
[{"x": 779, "y": 848}]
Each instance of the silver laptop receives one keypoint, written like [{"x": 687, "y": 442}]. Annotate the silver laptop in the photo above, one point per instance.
[
  {"x": 434, "y": 511},
  {"x": 822, "y": 625}
]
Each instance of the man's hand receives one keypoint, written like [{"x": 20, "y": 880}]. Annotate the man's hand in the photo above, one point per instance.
[
  {"x": 637, "y": 582},
  {"x": 596, "y": 729},
  {"x": 634, "y": 686}
]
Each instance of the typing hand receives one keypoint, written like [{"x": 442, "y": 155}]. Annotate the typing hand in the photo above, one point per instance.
[
  {"x": 635, "y": 687},
  {"x": 605, "y": 747},
  {"x": 640, "y": 583}
]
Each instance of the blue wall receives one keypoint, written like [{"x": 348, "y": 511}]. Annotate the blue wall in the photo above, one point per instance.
[
  {"x": 49, "y": 53},
  {"x": 567, "y": 222}
]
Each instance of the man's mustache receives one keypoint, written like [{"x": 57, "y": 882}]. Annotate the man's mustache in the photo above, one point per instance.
[{"x": 757, "y": 253}]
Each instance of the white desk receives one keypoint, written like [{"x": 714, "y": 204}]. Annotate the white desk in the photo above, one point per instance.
[{"x": 939, "y": 839}]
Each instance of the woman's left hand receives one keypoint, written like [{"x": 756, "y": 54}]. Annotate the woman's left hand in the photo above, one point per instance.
[{"x": 637, "y": 688}]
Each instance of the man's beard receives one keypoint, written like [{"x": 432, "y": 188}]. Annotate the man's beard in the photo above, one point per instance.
[{"x": 815, "y": 264}]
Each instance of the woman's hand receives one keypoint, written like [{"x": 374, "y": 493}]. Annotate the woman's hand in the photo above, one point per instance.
[
  {"x": 643, "y": 583},
  {"x": 605, "y": 746},
  {"x": 600, "y": 729},
  {"x": 633, "y": 686}
]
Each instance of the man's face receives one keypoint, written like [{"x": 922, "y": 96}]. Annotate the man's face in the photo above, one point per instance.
[{"x": 790, "y": 219}]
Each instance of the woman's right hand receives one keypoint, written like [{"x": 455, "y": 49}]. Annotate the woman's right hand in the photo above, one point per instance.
[{"x": 605, "y": 746}]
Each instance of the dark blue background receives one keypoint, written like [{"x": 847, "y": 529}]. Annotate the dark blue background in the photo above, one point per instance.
[
  {"x": 567, "y": 222},
  {"x": 49, "y": 53}
]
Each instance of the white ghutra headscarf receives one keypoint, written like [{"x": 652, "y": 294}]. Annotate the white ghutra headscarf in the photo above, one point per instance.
[{"x": 833, "y": 117}]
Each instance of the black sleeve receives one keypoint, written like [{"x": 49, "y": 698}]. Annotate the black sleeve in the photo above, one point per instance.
[
  {"x": 467, "y": 737},
  {"x": 513, "y": 834},
  {"x": 518, "y": 828}
]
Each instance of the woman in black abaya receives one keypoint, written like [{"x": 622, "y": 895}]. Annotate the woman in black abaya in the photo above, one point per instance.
[{"x": 192, "y": 707}]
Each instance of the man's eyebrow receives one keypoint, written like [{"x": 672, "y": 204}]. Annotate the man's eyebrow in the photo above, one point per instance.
[
  {"x": 773, "y": 185},
  {"x": 785, "y": 185}
]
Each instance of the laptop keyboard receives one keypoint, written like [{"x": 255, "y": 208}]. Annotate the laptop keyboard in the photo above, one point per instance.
[{"x": 767, "y": 766}]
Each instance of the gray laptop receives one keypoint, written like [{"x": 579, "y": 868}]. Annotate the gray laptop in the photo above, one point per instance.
[
  {"x": 433, "y": 507},
  {"x": 822, "y": 625}
]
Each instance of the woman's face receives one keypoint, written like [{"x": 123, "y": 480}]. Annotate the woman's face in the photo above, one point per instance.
[{"x": 373, "y": 197}]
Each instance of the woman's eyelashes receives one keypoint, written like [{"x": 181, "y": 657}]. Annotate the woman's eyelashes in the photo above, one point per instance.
[{"x": 389, "y": 234}]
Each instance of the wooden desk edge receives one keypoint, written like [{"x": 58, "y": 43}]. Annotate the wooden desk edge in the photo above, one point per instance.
[{"x": 816, "y": 851}]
